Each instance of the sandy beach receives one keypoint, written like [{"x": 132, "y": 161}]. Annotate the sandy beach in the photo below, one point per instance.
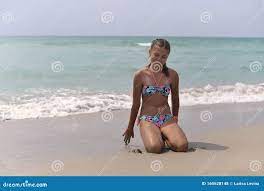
[{"x": 224, "y": 139}]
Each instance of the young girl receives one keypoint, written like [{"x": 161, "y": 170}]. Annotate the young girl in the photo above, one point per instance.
[{"x": 156, "y": 121}]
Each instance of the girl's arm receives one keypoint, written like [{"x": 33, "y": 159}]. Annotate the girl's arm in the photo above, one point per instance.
[
  {"x": 175, "y": 102},
  {"x": 137, "y": 88}
]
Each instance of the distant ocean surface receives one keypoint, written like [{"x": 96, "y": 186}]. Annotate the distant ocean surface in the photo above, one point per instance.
[{"x": 58, "y": 76}]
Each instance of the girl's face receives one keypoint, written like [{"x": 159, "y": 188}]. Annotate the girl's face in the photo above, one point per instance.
[{"x": 159, "y": 54}]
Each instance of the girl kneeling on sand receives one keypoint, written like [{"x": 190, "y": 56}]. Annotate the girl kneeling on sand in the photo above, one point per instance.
[{"x": 158, "y": 125}]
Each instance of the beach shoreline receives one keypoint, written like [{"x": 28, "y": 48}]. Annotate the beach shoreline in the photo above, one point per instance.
[{"x": 88, "y": 144}]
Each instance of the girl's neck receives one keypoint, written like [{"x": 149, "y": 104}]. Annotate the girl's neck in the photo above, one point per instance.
[{"x": 152, "y": 70}]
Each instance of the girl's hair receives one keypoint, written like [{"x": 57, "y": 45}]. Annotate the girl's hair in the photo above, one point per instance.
[{"x": 161, "y": 43}]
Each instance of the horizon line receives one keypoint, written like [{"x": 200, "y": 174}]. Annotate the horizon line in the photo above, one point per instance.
[{"x": 131, "y": 36}]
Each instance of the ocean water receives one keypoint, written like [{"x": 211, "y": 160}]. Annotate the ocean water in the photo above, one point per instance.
[{"x": 58, "y": 76}]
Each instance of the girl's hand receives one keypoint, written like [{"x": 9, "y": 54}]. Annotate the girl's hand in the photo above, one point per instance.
[
  {"x": 176, "y": 119},
  {"x": 128, "y": 134}
]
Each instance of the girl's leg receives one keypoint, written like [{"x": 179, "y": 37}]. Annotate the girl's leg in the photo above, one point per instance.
[
  {"x": 151, "y": 136},
  {"x": 175, "y": 137}
]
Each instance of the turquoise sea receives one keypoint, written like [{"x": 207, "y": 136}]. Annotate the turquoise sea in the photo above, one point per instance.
[{"x": 57, "y": 76}]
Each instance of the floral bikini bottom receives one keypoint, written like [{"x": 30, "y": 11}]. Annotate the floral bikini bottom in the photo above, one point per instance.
[{"x": 158, "y": 119}]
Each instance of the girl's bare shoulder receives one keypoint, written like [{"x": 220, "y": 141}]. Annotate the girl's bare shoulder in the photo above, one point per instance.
[
  {"x": 141, "y": 71},
  {"x": 173, "y": 73}
]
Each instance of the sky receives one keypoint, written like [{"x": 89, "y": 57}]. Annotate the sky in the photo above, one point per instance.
[{"x": 232, "y": 18}]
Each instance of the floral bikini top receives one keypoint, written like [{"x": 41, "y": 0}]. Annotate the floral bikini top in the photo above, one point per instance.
[{"x": 150, "y": 90}]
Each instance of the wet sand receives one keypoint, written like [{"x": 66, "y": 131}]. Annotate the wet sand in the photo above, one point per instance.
[{"x": 224, "y": 139}]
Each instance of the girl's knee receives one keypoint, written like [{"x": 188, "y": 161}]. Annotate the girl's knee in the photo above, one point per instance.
[
  {"x": 154, "y": 148},
  {"x": 180, "y": 147}
]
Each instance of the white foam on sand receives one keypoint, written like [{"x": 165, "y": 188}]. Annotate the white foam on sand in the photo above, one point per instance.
[
  {"x": 238, "y": 93},
  {"x": 63, "y": 102}
]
